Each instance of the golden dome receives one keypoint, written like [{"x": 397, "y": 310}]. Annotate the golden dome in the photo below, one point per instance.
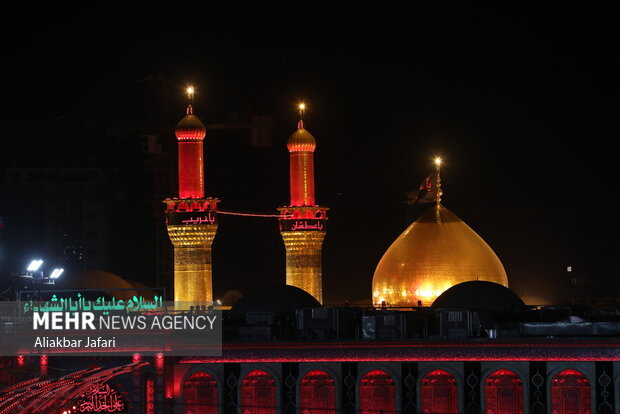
[
  {"x": 301, "y": 140},
  {"x": 433, "y": 254}
]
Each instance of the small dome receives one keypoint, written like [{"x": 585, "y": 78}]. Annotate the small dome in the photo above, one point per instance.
[
  {"x": 478, "y": 295},
  {"x": 231, "y": 297},
  {"x": 142, "y": 289},
  {"x": 101, "y": 280},
  {"x": 301, "y": 140},
  {"x": 277, "y": 299},
  {"x": 433, "y": 254},
  {"x": 190, "y": 127}
]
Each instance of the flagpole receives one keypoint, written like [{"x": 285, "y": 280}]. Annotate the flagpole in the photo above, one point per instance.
[{"x": 438, "y": 183}]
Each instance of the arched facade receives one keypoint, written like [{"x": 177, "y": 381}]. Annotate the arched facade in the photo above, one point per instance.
[
  {"x": 503, "y": 393},
  {"x": 200, "y": 394},
  {"x": 258, "y": 393},
  {"x": 570, "y": 393},
  {"x": 377, "y": 393},
  {"x": 433, "y": 387},
  {"x": 439, "y": 393},
  {"x": 317, "y": 391}
]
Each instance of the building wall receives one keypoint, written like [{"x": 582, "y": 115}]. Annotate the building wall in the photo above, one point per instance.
[{"x": 470, "y": 377}]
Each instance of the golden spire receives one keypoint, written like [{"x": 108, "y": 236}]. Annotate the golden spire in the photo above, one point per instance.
[
  {"x": 190, "y": 127},
  {"x": 190, "y": 95},
  {"x": 438, "y": 183},
  {"x": 302, "y": 109}
]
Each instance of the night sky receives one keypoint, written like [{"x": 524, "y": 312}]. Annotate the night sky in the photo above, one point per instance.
[{"x": 520, "y": 101}]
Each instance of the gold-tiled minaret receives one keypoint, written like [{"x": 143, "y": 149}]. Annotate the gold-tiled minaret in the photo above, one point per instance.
[
  {"x": 302, "y": 223},
  {"x": 191, "y": 218}
]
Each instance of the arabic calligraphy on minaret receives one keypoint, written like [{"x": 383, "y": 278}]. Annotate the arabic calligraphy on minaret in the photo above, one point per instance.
[
  {"x": 191, "y": 218},
  {"x": 302, "y": 223}
]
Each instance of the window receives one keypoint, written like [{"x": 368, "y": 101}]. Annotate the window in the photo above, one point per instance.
[
  {"x": 570, "y": 393},
  {"x": 317, "y": 393},
  {"x": 377, "y": 393},
  {"x": 258, "y": 393},
  {"x": 503, "y": 393},
  {"x": 200, "y": 394},
  {"x": 438, "y": 393}
]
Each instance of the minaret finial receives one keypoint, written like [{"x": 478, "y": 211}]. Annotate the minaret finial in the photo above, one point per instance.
[
  {"x": 302, "y": 109},
  {"x": 190, "y": 99},
  {"x": 438, "y": 183}
]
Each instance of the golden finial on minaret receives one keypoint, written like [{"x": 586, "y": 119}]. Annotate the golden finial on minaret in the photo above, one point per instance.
[
  {"x": 190, "y": 94},
  {"x": 438, "y": 183},
  {"x": 302, "y": 109}
]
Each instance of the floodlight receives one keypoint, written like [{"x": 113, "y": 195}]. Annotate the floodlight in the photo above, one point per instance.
[
  {"x": 56, "y": 273},
  {"x": 34, "y": 265}
]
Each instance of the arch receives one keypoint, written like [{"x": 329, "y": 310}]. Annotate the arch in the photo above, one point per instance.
[
  {"x": 439, "y": 393},
  {"x": 317, "y": 391},
  {"x": 503, "y": 393},
  {"x": 377, "y": 393},
  {"x": 570, "y": 393},
  {"x": 200, "y": 394},
  {"x": 258, "y": 393}
]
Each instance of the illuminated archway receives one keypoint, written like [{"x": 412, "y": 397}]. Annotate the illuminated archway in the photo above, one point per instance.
[
  {"x": 503, "y": 393},
  {"x": 438, "y": 393},
  {"x": 258, "y": 393},
  {"x": 377, "y": 393},
  {"x": 317, "y": 393},
  {"x": 570, "y": 393},
  {"x": 200, "y": 394}
]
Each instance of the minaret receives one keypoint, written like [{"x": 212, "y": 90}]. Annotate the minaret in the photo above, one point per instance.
[
  {"x": 191, "y": 218},
  {"x": 302, "y": 223}
]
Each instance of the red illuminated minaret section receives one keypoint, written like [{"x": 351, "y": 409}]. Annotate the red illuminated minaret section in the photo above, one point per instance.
[
  {"x": 303, "y": 223},
  {"x": 301, "y": 146},
  {"x": 191, "y": 218},
  {"x": 190, "y": 133}
]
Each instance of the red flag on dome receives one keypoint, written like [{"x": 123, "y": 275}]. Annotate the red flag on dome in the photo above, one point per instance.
[{"x": 428, "y": 192}]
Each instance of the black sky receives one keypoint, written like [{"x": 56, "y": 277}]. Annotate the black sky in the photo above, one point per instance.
[{"x": 520, "y": 100}]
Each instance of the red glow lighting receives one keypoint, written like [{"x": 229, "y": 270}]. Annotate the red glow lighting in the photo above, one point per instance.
[
  {"x": 423, "y": 344},
  {"x": 570, "y": 393},
  {"x": 43, "y": 362},
  {"x": 377, "y": 393},
  {"x": 200, "y": 394},
  {"x": 503, "y": 393},
  {"x": 258, "y": 393},
  {"x": 438, "y": 393},
  {"x": 159, "y": 363},
  {"x": 414, "y": 351},
  {"x": 190, "y": 133},
  {"x": 150, "y": 395},
  {"x": 191, "y": 170},
  {"x": 302, "y": 178},
  {"x": 317, "y": 393}
]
